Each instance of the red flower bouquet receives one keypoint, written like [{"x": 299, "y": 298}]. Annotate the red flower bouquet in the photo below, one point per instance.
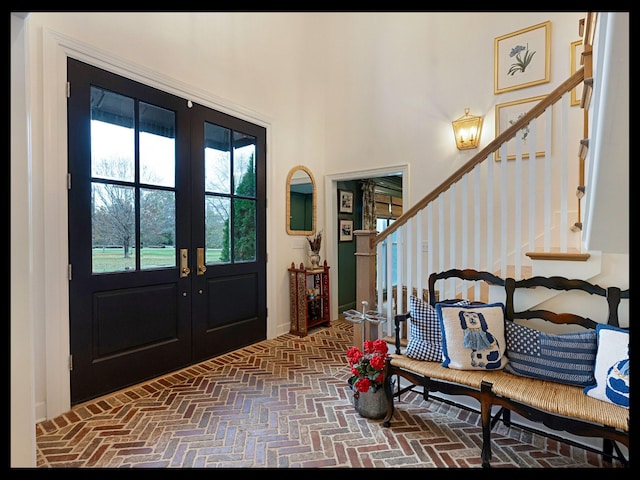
[{"x": 367, "y": 368}]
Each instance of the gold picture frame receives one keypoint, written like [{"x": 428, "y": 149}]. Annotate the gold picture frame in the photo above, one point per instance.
[
  {"x": 507, "y": 114},
  {"x": 576, "y": 62},
  {"x": 522, "y": 58}
]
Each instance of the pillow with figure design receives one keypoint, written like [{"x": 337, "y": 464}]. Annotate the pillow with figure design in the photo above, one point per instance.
[{"x": 472, "y": 336}]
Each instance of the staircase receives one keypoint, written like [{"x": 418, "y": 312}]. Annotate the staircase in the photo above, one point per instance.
[{"x": 507, "y": 210}]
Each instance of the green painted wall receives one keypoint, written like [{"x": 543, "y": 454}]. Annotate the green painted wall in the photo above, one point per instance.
[{"x": 346, "y": 250}]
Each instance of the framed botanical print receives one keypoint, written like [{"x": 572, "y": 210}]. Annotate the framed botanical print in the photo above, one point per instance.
[
  {"x": 509, "y": 113},
  {"x": 576, "y": 62},
  {"x": 345, "y": 228},
  {"x": 522, "y": 58},
  {"x": 345, "y": 201}
]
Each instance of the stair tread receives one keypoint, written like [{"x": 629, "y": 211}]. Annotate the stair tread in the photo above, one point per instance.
[{"x": 556, "y": 254}]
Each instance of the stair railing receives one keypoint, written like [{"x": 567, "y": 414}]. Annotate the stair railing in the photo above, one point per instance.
[
  {"x": 486, "y": 215},
  {"x": 489, "y": 214}
]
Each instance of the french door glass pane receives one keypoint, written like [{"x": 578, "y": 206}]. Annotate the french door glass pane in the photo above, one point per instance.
[
  {"x": 244, "y": 173},
  {"x": 157, "y": 228},
  {"x": 112, "y": 136},
  {"x": 157, "y": 145},
  {"x": 244, "y": 230},
  {"x": 113, "y": 225},
  {"x": 217, "y": 239},
  {"x": 217, "y": 158}
]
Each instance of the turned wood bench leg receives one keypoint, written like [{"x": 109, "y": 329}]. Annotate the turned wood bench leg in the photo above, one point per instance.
[
  {"x": 388, "y": 392},
  {"x": 485, "y": 417}
]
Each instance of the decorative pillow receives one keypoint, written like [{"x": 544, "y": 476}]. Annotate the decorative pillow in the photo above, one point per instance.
[
  {"x": 472, "y": 336},
  {"x": 564, "y": 358},
  {"x": 425, "y": 339},
  {"x": 612, "y": 366}
]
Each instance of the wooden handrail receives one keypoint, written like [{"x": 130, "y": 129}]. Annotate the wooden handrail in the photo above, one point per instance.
[{"x": 537, "y": 110}]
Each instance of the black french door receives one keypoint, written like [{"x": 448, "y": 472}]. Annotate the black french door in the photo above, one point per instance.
[{"x": 167, "y": 232}]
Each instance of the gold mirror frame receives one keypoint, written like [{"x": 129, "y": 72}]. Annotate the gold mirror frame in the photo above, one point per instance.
[{"x": 292, "y": 178}]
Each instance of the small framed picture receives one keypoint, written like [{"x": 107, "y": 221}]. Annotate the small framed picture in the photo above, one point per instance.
[
  {"x": 346, "y": 230},
  {"x": 522, "y": 59},
  {"x": 576, "y": 62},
  {"x": 345, "y": 201},
  {"x": 509, "y": 113}
]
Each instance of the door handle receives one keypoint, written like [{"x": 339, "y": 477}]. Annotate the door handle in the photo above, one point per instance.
[
  {"x": 184, "y": 263},
  {"x": 201, "y": 266}
]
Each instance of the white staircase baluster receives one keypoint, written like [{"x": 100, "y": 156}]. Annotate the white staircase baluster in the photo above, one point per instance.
[
  {"x": 503, "y": 210},
  {"x": 490, "y": 217},
  {"x": 430, "y": 244},
  {"x": 532, "y": 186},
  {"x": 452, "y": 238},
  {"x": 564, "y": 177},
  {"x": 547, "y": 183},
  {"x": 517, "y": 214}
]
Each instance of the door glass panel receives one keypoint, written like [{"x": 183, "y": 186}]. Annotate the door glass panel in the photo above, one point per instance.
[
  {"x": 218, "y": 245},
  {"x": 113, "y": 228},
  {"x": 230, "y": 181},
  {"x": 113, "y": 164},
  {"x": 244, "y": 174},
  {"x": 157, "y": 228},
  {"x": 217, "y": 158},
  {"x": 157, "y": 145},
  {"x": 244, "y": 230},
  {"x": 112, "y": 136}
]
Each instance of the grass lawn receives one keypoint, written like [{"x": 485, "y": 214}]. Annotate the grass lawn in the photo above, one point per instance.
[{"x": 113, "y": 259}]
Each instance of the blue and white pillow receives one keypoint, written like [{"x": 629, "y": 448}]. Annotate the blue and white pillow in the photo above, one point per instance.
[
  {"x": 472, "y": 336},
  {"x": 565, "y": 358},
  {"x": 612, "y": 366},
  {"x": 425, "y": 339}
]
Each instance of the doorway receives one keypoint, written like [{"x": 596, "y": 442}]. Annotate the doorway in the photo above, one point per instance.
[
  {"x": 333, "y": 252},
  {"x": 167, "y": 232}
]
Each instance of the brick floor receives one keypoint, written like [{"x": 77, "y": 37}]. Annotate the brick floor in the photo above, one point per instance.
[{"x": 281, "y": 403}]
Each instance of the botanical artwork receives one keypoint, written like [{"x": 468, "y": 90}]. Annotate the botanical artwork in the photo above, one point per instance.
[
  {"x": 522, "y": 58},
  {"x": 524, "y": 133},
  {"x": 507, "y": 114}
]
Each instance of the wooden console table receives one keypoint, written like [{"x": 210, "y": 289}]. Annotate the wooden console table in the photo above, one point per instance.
[{"x": 309, "y": 298}]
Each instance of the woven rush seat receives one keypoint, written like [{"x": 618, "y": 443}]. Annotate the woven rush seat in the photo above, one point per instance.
[
  {"x": 561, "y": 399},
  {"x": 471, "y": 378}
]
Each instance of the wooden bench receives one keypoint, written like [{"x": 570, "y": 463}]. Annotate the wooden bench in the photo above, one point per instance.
[{"x": 558, "y": 406}]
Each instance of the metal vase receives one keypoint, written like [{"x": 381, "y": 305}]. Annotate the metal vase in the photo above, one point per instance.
[{"x": 370, "y": 404}]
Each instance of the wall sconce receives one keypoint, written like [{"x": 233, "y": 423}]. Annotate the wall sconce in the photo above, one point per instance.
[{"x": 467, "y": 130}]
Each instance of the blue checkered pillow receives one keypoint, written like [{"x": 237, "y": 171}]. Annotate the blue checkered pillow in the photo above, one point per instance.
[
  {"x": 425, "y": 337},
  {"x": 564, "y": 358}
]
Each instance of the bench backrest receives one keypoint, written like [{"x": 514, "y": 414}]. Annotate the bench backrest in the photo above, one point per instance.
[{"x": 613, "y": 295}]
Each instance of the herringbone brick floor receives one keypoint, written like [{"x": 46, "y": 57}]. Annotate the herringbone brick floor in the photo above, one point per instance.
[{"x": 281, "y": 403}]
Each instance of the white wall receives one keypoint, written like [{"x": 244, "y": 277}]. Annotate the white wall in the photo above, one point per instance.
[
  {"x": 23, "y": 414},
  {"x": 338, "y": 92}
]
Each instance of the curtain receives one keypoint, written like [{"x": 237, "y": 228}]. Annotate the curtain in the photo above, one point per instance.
[{"x": 368, "y": 205}]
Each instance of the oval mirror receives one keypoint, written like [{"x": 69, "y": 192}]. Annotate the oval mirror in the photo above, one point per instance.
[{"x": 301, "y": 202}]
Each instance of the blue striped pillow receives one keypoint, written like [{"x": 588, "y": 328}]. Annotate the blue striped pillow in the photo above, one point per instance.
[{"x": 564, "y": 358}]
